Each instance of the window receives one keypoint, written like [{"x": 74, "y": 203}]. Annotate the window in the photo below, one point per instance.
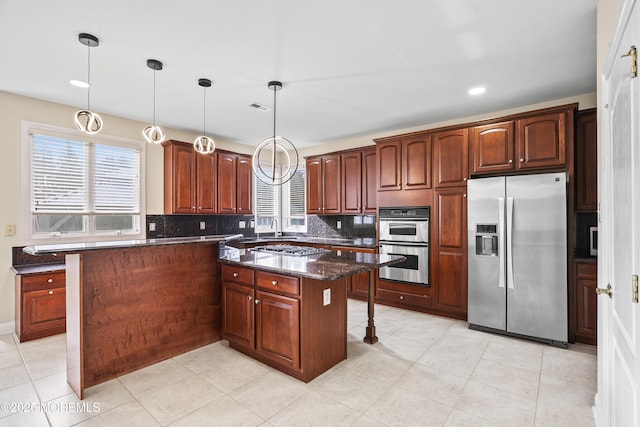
[
  {"x": 80, "y": 189},
  {"x": 285, "y": 203}
]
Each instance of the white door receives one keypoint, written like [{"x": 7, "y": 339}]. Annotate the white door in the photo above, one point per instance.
[{"x": 618, "y": 400}]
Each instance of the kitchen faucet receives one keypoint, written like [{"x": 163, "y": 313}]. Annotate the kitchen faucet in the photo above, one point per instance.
[{"x": 277, "y": 233}]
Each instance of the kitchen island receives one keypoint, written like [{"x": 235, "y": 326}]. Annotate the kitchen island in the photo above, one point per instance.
[
  {"x": 130, "y": 304},
  {"x": 287, "y": 305}
]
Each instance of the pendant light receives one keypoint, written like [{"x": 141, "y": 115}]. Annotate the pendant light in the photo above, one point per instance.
[
  {"x": 272, "y": 149},
  {"x": 86, "y": 120},
  {"x": 203, "y": 144},
  {"x": 154, "y": 134}
]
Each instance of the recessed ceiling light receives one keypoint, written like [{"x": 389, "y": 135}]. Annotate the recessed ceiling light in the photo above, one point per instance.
[
  {"x": 79, "y": 83},
  {"x": 477, "y": 90},
  {"x": 260, "y": 107}
]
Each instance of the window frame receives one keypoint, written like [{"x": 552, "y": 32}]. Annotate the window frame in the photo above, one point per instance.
[
  {"x": 282, "y": 208},
  {"x": 27, "y": 129}
]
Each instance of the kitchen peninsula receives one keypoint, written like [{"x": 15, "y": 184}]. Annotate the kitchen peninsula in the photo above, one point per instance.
[{"x": 134, "y": 303}]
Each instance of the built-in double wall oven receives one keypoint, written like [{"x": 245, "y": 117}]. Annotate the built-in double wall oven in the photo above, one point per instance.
[{"x": 405, "y": 231}]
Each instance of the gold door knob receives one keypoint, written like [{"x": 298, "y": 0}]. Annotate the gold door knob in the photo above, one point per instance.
[{"x": 605, "y": 291}]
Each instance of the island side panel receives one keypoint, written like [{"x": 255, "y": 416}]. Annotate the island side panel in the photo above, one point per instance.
[
  {"x": 146, "y": 304},
  {"x": 74, "y": 325},
  {"x": 323, "y": 328}
]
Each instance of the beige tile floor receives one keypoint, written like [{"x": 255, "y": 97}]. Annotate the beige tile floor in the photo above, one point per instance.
[{"x": 424, "y": 371}]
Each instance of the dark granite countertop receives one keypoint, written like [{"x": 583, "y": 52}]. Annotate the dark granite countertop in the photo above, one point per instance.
[
  {"x": 81, "y": 247},
  {"x": 329, "y": 265},
  {"x": 360, "y": 242},
  {"x": 38, "y": 268}
]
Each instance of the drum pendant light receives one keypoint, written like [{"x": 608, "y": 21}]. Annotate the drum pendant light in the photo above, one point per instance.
[
  {"x": 203, "y": 144},
  {"x": 86, "y": 120},
  {"x": 267, "y": 157},
  {"x": 154, "y": 134}
]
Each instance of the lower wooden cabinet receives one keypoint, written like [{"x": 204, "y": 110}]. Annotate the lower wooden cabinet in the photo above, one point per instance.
[
  {"x": 403, "y": 294},
  {"x": 283, "y": 321},
  {"x": 40, "y": 305},
  {"x": 586, "y": 282}
]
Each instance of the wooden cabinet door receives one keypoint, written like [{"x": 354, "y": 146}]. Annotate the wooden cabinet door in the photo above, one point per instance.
[
  {"x": 43, "y": 310},
  {"x": 389, "y": 160},
  {"x": 492, "y": 148},
  {"x": 278, "y": 328},
  {"x": 351, "y": 182},
  {"x": 314, "y": 185},
  {"x": 416, "y": 162},
  {"x": 238, "y": 314},
  {"x": 226, "y": 183},
  {"x": 206, "y": 183},
  {"x": 451, "y": 158},
  {"x": 451, "y": 250},
  {"x": 244, "y": 184},
  {"x": 331, "y": 184},
  {"x": 369, "y": 181},
  {"x": 542, "y": 141},
  {"x": 183, "y": 175},
  {"x": 587, "y": 161},
  {"x": 586, "y": 282}
]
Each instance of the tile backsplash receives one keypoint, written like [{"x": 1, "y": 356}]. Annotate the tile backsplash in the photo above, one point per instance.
[{"x": 351, "y": 226}]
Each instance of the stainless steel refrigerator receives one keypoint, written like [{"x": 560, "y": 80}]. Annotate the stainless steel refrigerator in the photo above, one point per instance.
[{"x": 517, "y": 238}]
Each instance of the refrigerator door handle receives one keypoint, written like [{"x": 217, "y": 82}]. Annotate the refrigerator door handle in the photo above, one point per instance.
[
  {"x": 510, "y": 282},
  {"x": 501, "y": 274}
]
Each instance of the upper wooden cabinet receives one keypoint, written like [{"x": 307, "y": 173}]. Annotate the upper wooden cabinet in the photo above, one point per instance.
[
  {"x": 189, "y": 180},
  {"x": 586, "y": 161},
  {"x": 369, "y": 181},
  {"x": 542, "y": 141},
  {"x": 323, "y": 184},
  {"x": 220, "y": 182},
  {"x": 351, "y": 182},
  {"x": 404, "y": 163},
  {"x": 234, "y": 183},
  {"x": 492, "y": 147},
  {"x": 451, "y": 158}
]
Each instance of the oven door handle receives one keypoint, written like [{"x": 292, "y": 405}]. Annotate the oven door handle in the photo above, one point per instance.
[{"x": 412, "y": 244}]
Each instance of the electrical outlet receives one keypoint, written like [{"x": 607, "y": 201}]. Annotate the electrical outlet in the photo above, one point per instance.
[
  {"x": 339, "y": 225},
  {"x": 252, "y": 224},
  {"x": 202, "y": 225},
  {"x": 9, "y": 230},
  {"x": 241, "y": 224},
  {"x": 152, "y": 226},
  {"x": 326, "y": 297}
]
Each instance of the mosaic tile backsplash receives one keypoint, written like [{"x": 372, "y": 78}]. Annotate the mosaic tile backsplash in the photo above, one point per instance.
[{"x": 351, "y": 226}]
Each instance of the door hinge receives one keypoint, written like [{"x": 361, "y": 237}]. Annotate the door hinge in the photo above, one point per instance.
[
  {"x": 634, "y": 281},
  {"x": 633, "y": 53}
]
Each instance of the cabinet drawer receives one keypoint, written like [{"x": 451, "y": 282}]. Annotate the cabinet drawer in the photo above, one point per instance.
[
  {"x": 37, "y": 282},
  {"x": 404, "y": 298},
  {"x": 233, "y": 273},
  {"x": 277, "y": 283}
]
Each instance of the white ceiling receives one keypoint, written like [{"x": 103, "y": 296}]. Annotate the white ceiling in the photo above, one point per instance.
[{"x": 349, "y": 67}]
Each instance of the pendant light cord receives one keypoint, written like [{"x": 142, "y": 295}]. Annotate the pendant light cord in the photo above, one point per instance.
[
  {"x": 204, "y": 111},
  {"x": 154, "y": 97},
  {"x": 89, "y": 76}
]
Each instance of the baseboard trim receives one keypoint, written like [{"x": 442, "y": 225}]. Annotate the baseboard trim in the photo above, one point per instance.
[{"x": 7, "y": 327}]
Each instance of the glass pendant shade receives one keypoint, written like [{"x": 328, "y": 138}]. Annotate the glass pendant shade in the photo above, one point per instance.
[
  {"x": 275, "y": 159},
  {"x": 204, "y": 144},
  {"x": 86, "y": 120},
  {"x": 154, "y": 134}
]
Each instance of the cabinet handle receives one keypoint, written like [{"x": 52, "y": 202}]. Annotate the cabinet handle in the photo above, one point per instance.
[
  {"x": 521, "y": 160},
  {"x": 464, "y": 179},
  {"x": 235, "y": 274},
  {"x": 399, "y": 184},
  {"x": 257, "y": 301},
  {"x": 274, "y": 282},
  {"x": 401, "y": 296},
  {"x": 50, "y": 292},
  {"x": 510, "y": 160},
  {"x": 249, "y": 297},
  {"x": 49, "y": 280},
  {"x": 464, "y": 195}
]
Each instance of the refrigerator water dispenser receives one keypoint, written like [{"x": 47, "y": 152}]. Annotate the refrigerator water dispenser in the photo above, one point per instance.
[{"x": 487, "y": 239}]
